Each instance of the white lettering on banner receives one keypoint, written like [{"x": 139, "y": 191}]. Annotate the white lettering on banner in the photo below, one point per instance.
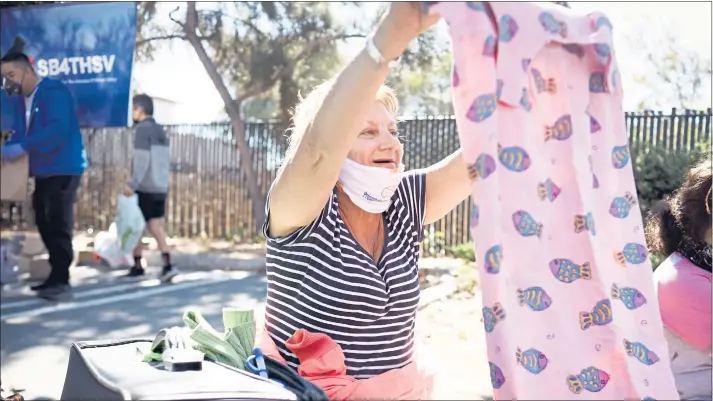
[{"x": 97, "y": 64}]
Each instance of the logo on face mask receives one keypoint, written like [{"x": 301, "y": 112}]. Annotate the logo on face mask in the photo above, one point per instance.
[
  {"x": 370, "y": 188},
  {"x": 373, "y": 199}
]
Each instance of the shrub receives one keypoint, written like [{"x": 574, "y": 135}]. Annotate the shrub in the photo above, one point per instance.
[
  {"x": 434, "y": 242},
  {"x": 658, "y": 172},
  {"x": 463, "y": 251}
]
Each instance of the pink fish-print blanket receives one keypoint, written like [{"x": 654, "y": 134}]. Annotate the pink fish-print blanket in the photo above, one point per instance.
[{"x": 570, "y": 311}]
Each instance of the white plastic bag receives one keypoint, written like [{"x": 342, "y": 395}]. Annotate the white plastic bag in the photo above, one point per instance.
[
  {"x": 116, "y": 246},
  {"x": 130, "y": 222},
  {"x": 108, "y": 247},
  {"x": 8, "y": 261}
]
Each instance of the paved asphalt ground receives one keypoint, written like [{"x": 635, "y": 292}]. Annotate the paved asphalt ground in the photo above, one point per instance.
[{"x": 37, "y": 334}]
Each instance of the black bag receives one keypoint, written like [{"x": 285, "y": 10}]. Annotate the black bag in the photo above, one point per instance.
[{"x": 115, "y": 370}]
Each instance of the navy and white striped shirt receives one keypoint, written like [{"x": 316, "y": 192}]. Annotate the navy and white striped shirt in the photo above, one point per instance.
[{"x": 321, "y": 280}]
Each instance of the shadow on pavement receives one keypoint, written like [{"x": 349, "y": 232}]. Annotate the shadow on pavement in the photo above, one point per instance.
[{"x": 39, "y": 347}]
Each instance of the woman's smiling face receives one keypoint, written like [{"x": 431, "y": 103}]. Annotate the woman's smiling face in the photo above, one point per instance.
[{"x": 378, "y": 144}]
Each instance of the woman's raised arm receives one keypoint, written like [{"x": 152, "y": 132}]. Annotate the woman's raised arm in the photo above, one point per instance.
[{"x": 311, "y": 171}]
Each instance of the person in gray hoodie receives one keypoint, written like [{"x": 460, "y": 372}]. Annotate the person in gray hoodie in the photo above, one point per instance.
[{"x": 150, "y": 180}]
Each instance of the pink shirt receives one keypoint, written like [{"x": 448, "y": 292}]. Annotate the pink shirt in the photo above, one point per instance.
[
  {"x": 570, "y": 310},
  {"x": 684, "y": 292}
]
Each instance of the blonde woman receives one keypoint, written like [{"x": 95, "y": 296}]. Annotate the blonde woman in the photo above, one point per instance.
[{"x": 345, "y": 221}]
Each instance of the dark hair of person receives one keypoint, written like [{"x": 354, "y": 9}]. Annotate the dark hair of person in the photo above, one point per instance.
[
  {"x": 16, "y": 57},
  {"x": 144, "y": 102},
  {"x": 685, "y": 214}
]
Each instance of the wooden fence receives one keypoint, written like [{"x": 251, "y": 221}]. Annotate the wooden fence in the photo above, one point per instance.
[{"x": 209, "y": 197}]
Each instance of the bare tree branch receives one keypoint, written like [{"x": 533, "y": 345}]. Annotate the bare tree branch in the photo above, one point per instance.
[
  {"x": 162, "y": 37},
  {"x": 168, "y": 37},
  {"x": 170, "y": 16},
  {"x": 232, "y": 107}
]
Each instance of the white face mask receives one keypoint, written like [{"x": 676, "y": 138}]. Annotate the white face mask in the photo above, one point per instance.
[{"x": 370, "y": 188}]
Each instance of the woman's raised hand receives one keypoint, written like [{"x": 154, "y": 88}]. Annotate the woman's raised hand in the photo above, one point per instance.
[{"x": 403, "y": 22}]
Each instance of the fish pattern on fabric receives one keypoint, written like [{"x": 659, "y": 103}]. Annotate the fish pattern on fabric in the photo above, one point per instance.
[
  {"x": 474, "y": 217},
  {"x": 561, "y": 130},
  {"x": 631, "y": 297},
  {"x": 532, "y": 360},
  {"x": 489, "y": 46},
  {"x": 526, "y": 225},
  {"x": 600, "y": 315},
  {"x": 621, "y": 205},
  {"x": 514, "y": 158},
  {"x": 552, "y": 25},
  {"x": 548, "y": 190},
  {"x": 491, "y": 316},
  {"x": 543, "y": 85},
  {"x": 575, "y": 49},
  {"x": 497, "y": 379},
  {"x": 508, "y": 28},
  {"x": 538, "y": 104},
  {"x": 633, "y": 253},
  {"x": 525, "y": 100},
  {"x": 484, "y": 106},
  {"x": 535, "y": 297},
  {"x": 584, "y": 223},
  {"x": 475, "y": 5},
  {"x": 567, "y": 271},
  {"x": 492, "y": 259},
  {"x": 483, "y": 167},
  {"x": 639, "y": 352},
  {"x": 594, "y": 126},
  {"x": 602, "y": 49},
  {"x": 590, "y": 379},
  {"x": 620, "y": 156},
  {"x": 597, "y": 83}
]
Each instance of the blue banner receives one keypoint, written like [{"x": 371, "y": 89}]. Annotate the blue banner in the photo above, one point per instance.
[
  {"x": 88, "y": 46},
  {"x": 7, "y": 114}
]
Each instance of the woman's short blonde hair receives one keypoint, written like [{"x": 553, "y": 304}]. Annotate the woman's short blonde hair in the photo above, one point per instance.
[{"x": 305, "y": 112}]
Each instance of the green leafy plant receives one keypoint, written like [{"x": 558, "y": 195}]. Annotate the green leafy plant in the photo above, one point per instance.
[
  {"x": 434, "y": 243},
  {"x": 467, "y": 278},
  {"x": 658, "y": 172},
  {"x": 463, "y": 251}
]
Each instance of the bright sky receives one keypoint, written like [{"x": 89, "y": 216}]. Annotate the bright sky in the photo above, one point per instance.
[{"x": 177, "y": 73}]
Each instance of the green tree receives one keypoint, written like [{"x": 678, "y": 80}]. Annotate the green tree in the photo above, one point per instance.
[
  {"x": 259, "y": 56},
  {"x": 678, "y": 74},
  {"x": 425, "y": 89},
  {"x": 248, "y": 49}
]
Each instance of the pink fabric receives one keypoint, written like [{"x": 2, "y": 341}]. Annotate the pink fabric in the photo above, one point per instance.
[
  {"x": 322, "y": 363},
  {"x": 684, "y": 292},
  {"x": 570, "y": 308}
]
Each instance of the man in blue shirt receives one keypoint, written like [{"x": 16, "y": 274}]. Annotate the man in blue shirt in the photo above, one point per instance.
[{"x": 47, "y": 131}]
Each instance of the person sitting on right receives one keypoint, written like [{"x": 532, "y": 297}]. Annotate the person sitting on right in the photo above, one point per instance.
[{"x": 680, "y": 227}]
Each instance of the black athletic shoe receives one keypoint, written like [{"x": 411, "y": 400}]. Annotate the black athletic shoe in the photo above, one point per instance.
[
  {"x": 43, "y": 286},
  {"x": 135, "y": 272},
  {"x": 56, "y": 292},
  {"x": 168, "y": 273}
]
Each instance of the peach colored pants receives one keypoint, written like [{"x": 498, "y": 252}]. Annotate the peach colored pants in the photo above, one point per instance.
[{"x": 322, "y": 363}]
